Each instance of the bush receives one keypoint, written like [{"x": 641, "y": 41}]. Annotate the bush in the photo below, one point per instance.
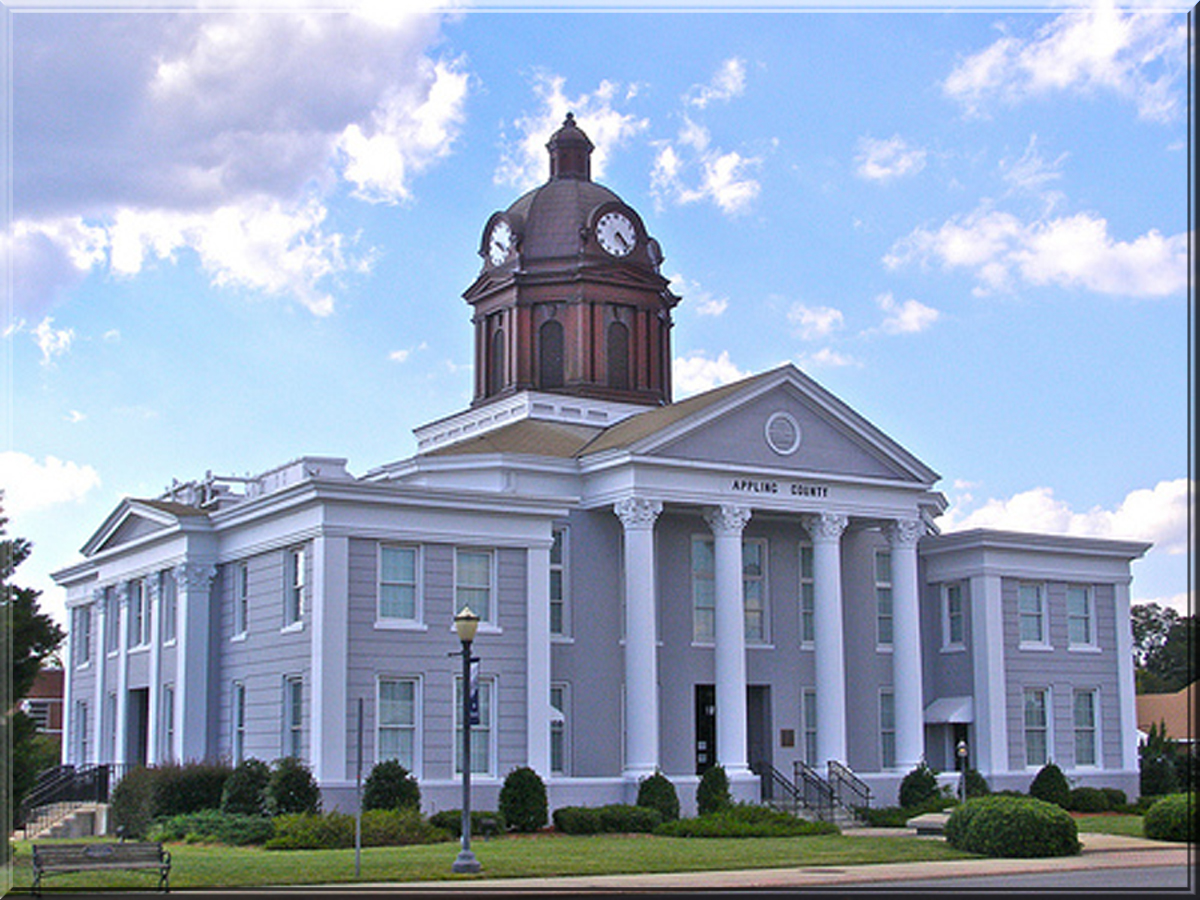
[
  {"x": 1051, "y": 785},
  {"x": 1170, "y": 819},
  {"x": 523, "y": 800},
  {"x": 245, "y": 791},
  {"x": 1116, "y": 798},
  {"x": 656, "y": 792},
  {"x": 182, "y": 789},
  {"x": 977, "y": 785},
  {"x": 744, "y": 820},
  {"x": 483, "y": 823},
  {"x": 1158, "y": 776},
  {"x": 919, "y": 786},
  {"x": 1012, "y": 827},
  {"x": 291, "y": 788},
  {"x": 615, "y": 818},
  {"x": 712, "y": 794},
  {"x": 335, "y": 830},
  {"x": 233, "y": 829},
  {"x": 131, "y": 812},
  {"x": 390, "y": 786},
  {"x": 399, "y": 828},
  {"x": 1088, "y": 800}
]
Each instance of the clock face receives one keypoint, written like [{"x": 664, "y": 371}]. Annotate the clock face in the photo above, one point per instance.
[
  {"x": 616, "y": 234},
  {"x": 499, "y": 242}
]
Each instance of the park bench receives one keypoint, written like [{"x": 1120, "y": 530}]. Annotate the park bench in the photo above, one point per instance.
[{"x": 49, "y": 859}]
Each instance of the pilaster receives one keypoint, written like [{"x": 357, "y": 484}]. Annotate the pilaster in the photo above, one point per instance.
[{"x": 193, "y": 647}]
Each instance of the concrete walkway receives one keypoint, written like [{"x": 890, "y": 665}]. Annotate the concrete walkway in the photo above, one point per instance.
[{"x": 1100, "y": 851}]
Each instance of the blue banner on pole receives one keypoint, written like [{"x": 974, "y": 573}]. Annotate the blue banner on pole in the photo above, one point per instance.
[{"x": 474, "y": 714}]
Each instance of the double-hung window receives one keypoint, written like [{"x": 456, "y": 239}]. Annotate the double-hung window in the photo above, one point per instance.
[
  {"x": 81, "y": 635},
  {"x": 241, "y": 599},
  {"x": 397, "y": 725},
  {"x": 1085, "y": 728},
  {"x": 1081, "y": 622},
  {"x": 1031, "y": 606},
  {"x": 139, "y": 614},
  {"x": 883, "y": 598},
  {"x": 1037, "y": 727},
  {"x": 704, "y": 590},
  {"x": 558, "y": 583},
  {"x": 293, "y": 599},
  {"x": 112, "y": 621},
  {"x": 81, "y": 725},
  {"x": 558, "y": 729},
  {"x": 887, "y": 730},
  {"x": 755, "y": 609},
  {"x": 754, "y": 590},
  {"x": 481, "y": 733},
  {"x": 293, "y": 717},
  {"x": 239, "y": 722},
  {"x": 953, "y": 630},
  {"x": 169, "y": 600},
  {"x": 809, "y": 714},
  {"x": 473, "y": 583},
  {"x": 808, "y": 596},
  {"x": 398, "y": 590},
  {"x": 168, "y": 723}
]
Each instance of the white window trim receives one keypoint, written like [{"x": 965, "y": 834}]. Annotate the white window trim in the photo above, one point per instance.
[
  {"x": 1043, "y": 643},
  {"x": 241, "y": 600},
  {"x": 1049, "y": 726},
  {"x": 398, "y": 623},
  {"x": 564, "y": 568},
  {"x": 763, "y": 642},
  {"x": 890, "y": 693},
  {"x": 288, "y": 729},
  {"x": 1097, "y": 743},
  {"x": 456, "y": 736},
  {"x": 490, "y": 624},
  {"x": 950, "y": 645},
  {"x": 167, "y": 724},
  {"x": 807, "y": 727},
  {"x": 142, "y": 618},
  {"x": 697, "y": 640},
  {"x": 1092, "y": 645},
  {"x": 295, "y": 562},
  {"x": 805, "y": 643},
  {"x": 418, "y": 760},
  {"x": 565, "y": 722},
  {"x": 882, "y": 646},
  {"x": 237, "y": 706}
]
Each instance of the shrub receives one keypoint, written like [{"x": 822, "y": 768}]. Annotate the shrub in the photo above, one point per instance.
[
  {"x": 657, "y": 792},
  {"x": 233, "y": 829},
  {"x": 312, "y": 831},
  {"x": 1158, "y": 776},
  {"x": 399, "y": 828},
  {"x": 744, "y": 820},
  {"x": 523, "y": 800},
  {"x": 577, "y": 819},
  {"x": 1051, "y": 785},
  {"x": 390, "y": 786},
  {"x": 182, "y": 789},
  {"x": 615, "y": 818},
  {"x": 712, "y": 794},
  {"x": 484, "y": 823},
  {"x": 1012, "y": 827},
  {"x": 1116, "y": 798},
  {"x": 291, "y": 788},
  {"x": 977, "y": 785},
  {"x": 1088, "y": 800},
  {"x": 245, "y": 791},
  {"x": 131, "y": 811},
  {"x": 918, "y": 787},
  {"x": 1170, "y": 819}
]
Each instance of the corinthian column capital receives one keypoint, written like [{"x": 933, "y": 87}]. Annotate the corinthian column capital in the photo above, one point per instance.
[
  {"x": 727, "y": 519},
  {"x": 904, "y": 532},
  {"x": 637, "y": 512},
  {"x": 825, "y": 526},
  {"x": 194, "y": 576}
]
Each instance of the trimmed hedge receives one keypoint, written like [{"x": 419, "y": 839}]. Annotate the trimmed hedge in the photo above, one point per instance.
[
  {"x": 292, "y": 788},
  {"x": 745, "y": 820},
  {"x": 523, "y": 800},
  {"x": 1088, "y": 800},
  {"x": 1012, "y": 827},
  {"x": 484, "y": 823},
  {"x": 615, "y": 818},
  {"x": 212, "y": 826},
  {"x": 919, "y": 787},
  {"x": 245, "y": 790},
  {"x": 1171, "y": 819},
  {"x": 335, "y": 830},
  {"x": 182, "y": 789},
  {"x": 1051, "y": 785},
  {"x": 712, "y": 794},
  {"x": 656, "y": 792},
  {"x": 390, "y": 786}
]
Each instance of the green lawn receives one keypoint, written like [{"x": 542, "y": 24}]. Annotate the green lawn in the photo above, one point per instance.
[{"x": 544, "y": 854}]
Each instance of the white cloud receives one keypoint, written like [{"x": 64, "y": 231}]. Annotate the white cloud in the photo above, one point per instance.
[
  {"x": 1158, "y": 515},
  {"x": 695, "y": 373},
  {"x": 884, "y": 160},
  {"x": 1031, "y": 172},
  {"x": 51, "y": 341},
  {"x": 714, "y": 175},
  {"x": 523, "y": 159},
  {"x": 909, "y": 317},
  {"x": 1070, "y": 251},
  {"x": 728, "y": 82},
  {"x": 814, "y": 322},
  {"x": 827, "y": 358},
  {"x": 29, "y": 486},
  {"x": 75, "y": 417},
  {"x": 1140, "y": 56},
  {"x": 698, "y": 300}
]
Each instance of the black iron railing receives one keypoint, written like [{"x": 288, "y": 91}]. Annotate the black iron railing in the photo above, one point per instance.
[
  {"x": 815, "y": 792},
  {"x": 775, "y": 789},
  {"x": 63, "y": 788},
  {"x": 849, "y": 790}
]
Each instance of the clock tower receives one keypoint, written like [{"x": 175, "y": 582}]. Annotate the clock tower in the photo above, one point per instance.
[{"x": 570, "y": 298}]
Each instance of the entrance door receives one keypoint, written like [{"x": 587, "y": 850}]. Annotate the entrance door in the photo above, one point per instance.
[
  {"x": 138, "y": 725},
  {"x": 706, "y": 727},
  {"x": 758, "y": 725}
]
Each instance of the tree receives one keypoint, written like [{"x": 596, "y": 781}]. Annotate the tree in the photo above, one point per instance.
[
  {"x": 1169, "y": 666},
  {"x": 27, "y": 637},
  {"x": 1151, "y": 625}
]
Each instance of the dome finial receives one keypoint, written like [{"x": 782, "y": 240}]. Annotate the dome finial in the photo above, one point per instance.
[{"x": 570, "y": 152}]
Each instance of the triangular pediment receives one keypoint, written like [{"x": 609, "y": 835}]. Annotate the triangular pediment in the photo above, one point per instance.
[
  {"x": 133, "y": 520},
  {"x": 781, "y": 420}
]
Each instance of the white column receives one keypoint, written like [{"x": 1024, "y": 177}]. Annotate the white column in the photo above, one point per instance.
[
  {"x": 192, "y": 648},
  {"x": 903, "y": 535},
  {"x": 1125, "y": 682},
  {"x": 121, "y": 717},
  {"x": 826, "y": 529},
  {"x": 537, "y": 649},
  {"x": 330, "y": 647},
  {"x": 727, "y": 523},
  {"x": 101, "y": 658},
  {"x": 154, "y": 597},
  {"x": 990, "y": 752},
  {"x": 641, "y": 638}
]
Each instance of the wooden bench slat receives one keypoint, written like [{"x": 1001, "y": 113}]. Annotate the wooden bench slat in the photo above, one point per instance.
[{"x": 49, "y": 859}]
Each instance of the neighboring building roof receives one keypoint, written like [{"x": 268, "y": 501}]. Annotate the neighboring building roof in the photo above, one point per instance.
[{"x": 1176, "y": 711}]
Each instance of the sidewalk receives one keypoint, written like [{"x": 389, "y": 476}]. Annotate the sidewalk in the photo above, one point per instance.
[{"x": 1100, "y": 851}]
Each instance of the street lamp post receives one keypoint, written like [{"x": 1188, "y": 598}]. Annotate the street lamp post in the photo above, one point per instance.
[
  {"x": 465, "y": 624},
  {"x": 962, "y": 766}
]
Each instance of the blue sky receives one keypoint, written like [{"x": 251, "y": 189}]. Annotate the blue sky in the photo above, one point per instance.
[{"x": 237, "y": 238}]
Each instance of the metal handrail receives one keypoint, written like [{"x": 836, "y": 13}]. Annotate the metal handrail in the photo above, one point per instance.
[
  {"x": 71, "y": 785},
  {"x": 845, "y": 782},
  {"x": 771, "y": 779},
  {"x": 816, "y": 793}
]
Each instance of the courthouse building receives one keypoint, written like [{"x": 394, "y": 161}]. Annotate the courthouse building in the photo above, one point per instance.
[{"x": 752, "y": 576}]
